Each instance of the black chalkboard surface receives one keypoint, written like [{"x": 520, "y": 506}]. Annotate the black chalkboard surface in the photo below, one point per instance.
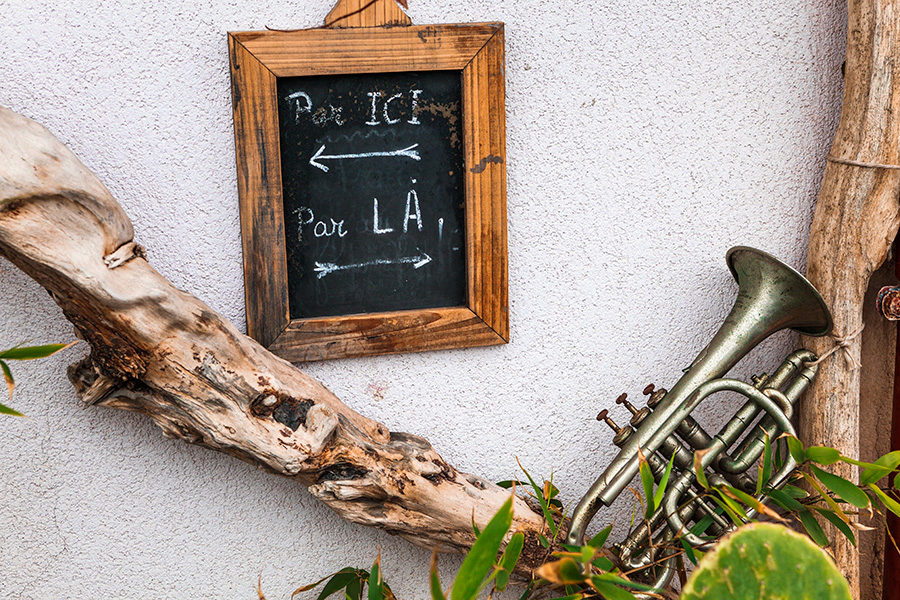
[{"x": 372, "y": 179}]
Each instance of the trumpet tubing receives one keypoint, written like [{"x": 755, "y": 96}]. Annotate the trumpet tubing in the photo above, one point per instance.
[{"x": 771, "y": 297}]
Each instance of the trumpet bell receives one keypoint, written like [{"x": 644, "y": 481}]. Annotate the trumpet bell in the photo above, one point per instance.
[{"x": 784, "y": 297}]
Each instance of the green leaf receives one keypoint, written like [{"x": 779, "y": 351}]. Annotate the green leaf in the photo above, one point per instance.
[
  {"x": 598, "y": 540},
  {"x": 702, "y": 525},
  {"x": 32, "y": 352},
  {"x": 889, "y": 502},
  {"x": 528, "y": 589},
  {"x": 688, "y": 550},
  {"x": 621, "y": 581},
  {"x": 570, "y": 597},
  {"x": 812, "y": 527},
  {"x": 752, "y": 502},
  {"x": 824, "y": 495},
  {"x": 570, "y": 572},
  {"x": 5, "y": 410},
  {"x": 347, "y": 573},
  {"x": 883, "y": 466},
  {"x": 603, "y": 563},
  {"x": 837, "y": 522},
  {"x": 509, "y": 483},
  {"x": 543, "y": 540},
  {"x": 647, "y": 481},
  {"x": 858, "y": 463},
  {"x": 354, "y": 589},
  {"x": 545, "y": 508},
  {"x": 794, "y": 492},
  {"x": 765, "y": 467},
  {"x": 376, "y": 585},
  {"x": 611, "y": 591},
  {"x": 728, "y": 511},
  {"x": 823, "y": 455},
  {"x": 795, "y": 447},
  {"x": 481, "y": 556},
  {"x": 434, "y": 580},
  {"x": 897, "y": 481},
  {"x": 698, "y": 469},
  {"x": 736, "y": 513},
  {"x": 661, "y": 490},
  {"x": 338, "y": 582},
  {"x": 778, "y": 454},
  {"x": 846, "y": 490},
  {"x": 509, "y": 559},
  {"x": 785, "y": 501}
]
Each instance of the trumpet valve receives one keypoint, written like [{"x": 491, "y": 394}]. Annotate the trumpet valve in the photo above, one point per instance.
[
  {"x": 638, "y": 416},
  {"x": 656, "y": 395},
  {"x": 622, "y": 433},
  {"x": 622, "y": 399},
  {"x": 760, "y": 381}
]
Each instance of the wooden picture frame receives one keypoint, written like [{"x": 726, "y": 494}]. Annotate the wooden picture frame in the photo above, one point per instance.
[{"x": 475, "y": 50}]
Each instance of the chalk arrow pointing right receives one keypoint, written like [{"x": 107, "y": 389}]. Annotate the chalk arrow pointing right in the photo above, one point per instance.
[{"x": 324, "y": 269}]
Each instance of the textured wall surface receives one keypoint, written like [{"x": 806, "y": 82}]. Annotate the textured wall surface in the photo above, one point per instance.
[{"x": 644, "y": 139}]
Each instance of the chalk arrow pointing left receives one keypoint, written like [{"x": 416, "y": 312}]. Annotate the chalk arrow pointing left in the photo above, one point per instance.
[
  {"x": 408, "y": 152},
  {"x": 324, "y": 269}
]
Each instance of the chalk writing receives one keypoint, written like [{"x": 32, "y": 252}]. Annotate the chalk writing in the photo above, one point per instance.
[
  {"x": 407, "y": 152},
  {"x": 375, "y": 228},
  {"x": 367, "y": 161},
  {"x": 324, "y": 269}
]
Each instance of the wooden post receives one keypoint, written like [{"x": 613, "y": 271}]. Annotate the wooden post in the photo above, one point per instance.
[{"x": 856, "y": 219}]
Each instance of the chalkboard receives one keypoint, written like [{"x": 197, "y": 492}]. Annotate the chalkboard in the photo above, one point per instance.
[
  {"x": 374, "y": 204},
  {"x": 371, "y": 172}
]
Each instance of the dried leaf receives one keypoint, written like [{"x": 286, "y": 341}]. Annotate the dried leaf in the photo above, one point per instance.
[
  {"x": 7, "y": 374},
  {"x": 561, "y": 571}
]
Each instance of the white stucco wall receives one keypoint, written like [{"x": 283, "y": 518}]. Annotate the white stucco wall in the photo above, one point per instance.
[{"x": 644, "y": 139}]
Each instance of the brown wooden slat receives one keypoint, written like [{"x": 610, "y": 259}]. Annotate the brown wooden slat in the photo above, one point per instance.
[
  {"x": 367, "y": 50},
  {"x": 259, "y": 188},
  {"x": 485, "y": 152},
  {"x": 497, "y": 102},
  {"x": 383, "y": 333},
  {"x": 366, "y": 13}
]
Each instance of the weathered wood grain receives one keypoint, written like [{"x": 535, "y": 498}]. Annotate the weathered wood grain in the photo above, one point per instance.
[
  {"x": 367, "y": 13},
  {"x": 259, "y": 191},
  {"x": 164, "y": 353},
  {"x": 856, "y": 219}
]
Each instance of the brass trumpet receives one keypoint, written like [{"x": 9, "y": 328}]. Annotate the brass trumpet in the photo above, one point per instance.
[{"x": 771, "y": 297}]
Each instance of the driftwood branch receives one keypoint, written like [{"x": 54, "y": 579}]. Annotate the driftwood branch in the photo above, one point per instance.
[
  {"x": 162, "y": 352},
  {"x": 856, "y": 220}
]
